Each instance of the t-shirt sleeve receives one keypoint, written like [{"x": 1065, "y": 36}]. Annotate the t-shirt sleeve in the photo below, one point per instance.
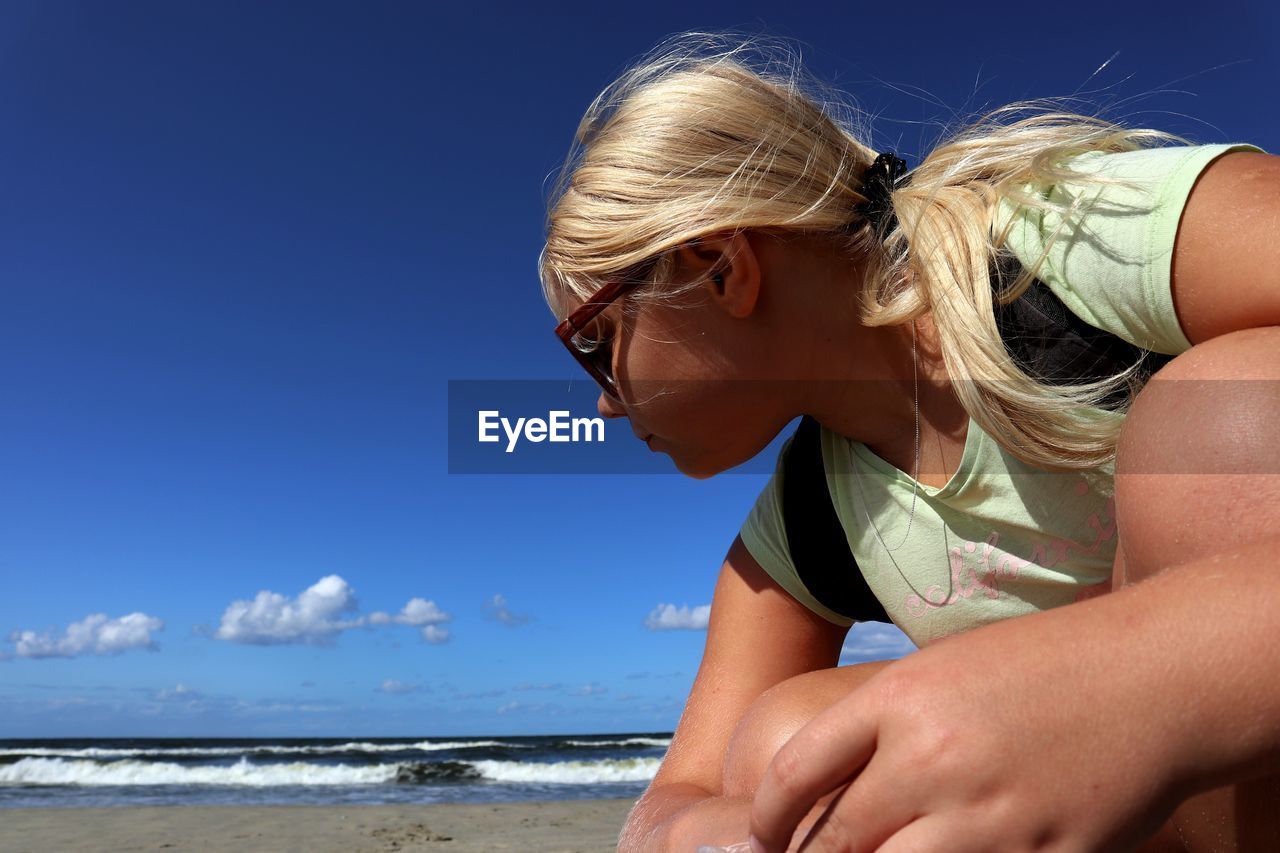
[
  {"x": 764, "y": 533},
  {"x": 1111, "y": 262}
]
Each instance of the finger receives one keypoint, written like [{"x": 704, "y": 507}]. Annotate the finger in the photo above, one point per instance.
[
  {"x": 823, "y": 755},
  {"x": 872, "y": 808}
]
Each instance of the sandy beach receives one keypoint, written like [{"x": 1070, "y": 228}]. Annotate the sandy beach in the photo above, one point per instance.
[{"x": 561, "y": 825}]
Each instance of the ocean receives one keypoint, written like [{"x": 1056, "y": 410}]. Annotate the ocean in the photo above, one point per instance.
[{"x": 325, "y": 771}]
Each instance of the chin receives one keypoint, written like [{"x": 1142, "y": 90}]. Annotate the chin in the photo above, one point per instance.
[
  {"x": 705, "y": 454},
  {"x": 703, "y": 468},
  {"x": 698, "y": 474}
]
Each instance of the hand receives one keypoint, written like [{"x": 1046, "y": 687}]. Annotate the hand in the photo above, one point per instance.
[{"x": 1023, "y": 735}]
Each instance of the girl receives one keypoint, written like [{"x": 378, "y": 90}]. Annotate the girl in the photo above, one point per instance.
[{"x": 726, "y": 254}]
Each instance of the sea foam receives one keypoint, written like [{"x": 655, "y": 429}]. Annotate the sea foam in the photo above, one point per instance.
[
  {"x": 57, "y": 771},
  {"x": 631, "y": 741},
  {"x": 570, "y": 772},
  {"x": 252, "y": 749},
  {"x": 127, "y": 772}
]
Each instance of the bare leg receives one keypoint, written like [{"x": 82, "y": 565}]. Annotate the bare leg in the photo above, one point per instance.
[
  {"x": 778, "y": 714},
  {"x": 1199, "y": 448}
]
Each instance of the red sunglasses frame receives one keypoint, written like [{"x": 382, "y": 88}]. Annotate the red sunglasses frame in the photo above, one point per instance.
[{"x": 584, "y": 314}]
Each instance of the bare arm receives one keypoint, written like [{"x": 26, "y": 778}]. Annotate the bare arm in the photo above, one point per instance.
[
  {"x": 1226, "y": 255},
  {"x": 758, "y": 636}
]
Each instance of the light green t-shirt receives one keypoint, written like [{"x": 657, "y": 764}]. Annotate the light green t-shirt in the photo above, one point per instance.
[{"x": 1002, "y": 538}]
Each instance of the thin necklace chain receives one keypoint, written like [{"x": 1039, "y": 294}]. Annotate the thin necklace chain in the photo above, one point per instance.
[
  {"x": 915, "y": 488},
  {"x": 915, "y": 483}
]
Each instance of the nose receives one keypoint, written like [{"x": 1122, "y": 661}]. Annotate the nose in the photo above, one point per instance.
[{"x": 609, "y": 407}]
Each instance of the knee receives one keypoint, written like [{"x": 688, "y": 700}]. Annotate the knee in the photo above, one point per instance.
[
  {"x": 768, "y": 723},
  {"x": 777, "y": 714},
  {"x": 1211, "y": 410},
  {"x": 1199, "y": 448}
]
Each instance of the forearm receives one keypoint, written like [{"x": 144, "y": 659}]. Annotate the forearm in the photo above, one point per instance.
[
  {"x": 1187, "y": 658},
  {"x": 1215, "y": 624}
]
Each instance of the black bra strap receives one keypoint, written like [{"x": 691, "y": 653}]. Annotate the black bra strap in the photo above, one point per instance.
[{"x": 819, "y": 549}]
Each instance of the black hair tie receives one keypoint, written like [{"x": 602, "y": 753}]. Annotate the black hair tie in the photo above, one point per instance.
[{"x": 886, "y": 174}]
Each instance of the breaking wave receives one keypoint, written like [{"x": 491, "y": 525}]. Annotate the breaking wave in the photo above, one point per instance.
[
  {"x": 58, "y": 771},
  {"x": 128, "y": 772},
  {"x": 251, "y": 749},
  {"x": 571, "y": 772},
  {"x": 631, "y": 741}
]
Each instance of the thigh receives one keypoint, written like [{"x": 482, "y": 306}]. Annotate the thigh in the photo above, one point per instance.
[{"x": 1198, "y": 472}]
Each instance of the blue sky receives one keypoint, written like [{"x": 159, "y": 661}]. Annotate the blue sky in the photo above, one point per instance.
[{"x": 244, "y": 248}]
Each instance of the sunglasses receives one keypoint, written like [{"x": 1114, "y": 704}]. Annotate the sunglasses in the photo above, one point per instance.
[{"x": 592, "y": 351}]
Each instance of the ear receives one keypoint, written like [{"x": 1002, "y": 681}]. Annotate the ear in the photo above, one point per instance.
[{"x": 730, "y": 267}]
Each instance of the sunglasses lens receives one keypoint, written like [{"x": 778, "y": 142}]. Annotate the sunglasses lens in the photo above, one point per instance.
[{"x": 595, "y": 348}]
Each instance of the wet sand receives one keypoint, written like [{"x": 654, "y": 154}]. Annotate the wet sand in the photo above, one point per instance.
[{"x": 561, "y": 825}]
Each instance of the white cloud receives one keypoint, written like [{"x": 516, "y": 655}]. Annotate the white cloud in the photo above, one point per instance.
[
  {"x": 181, "y": 690},
  {"x": 497, "y": 608},
  {"x": 590, "y": 690},
  {"x": 435, "y": 635},
  {"x": 868, "y": 641},
  {"x": 668, "y": 617},
  {"x": 268, "y": 707},
  {"x": 318, "y": 614},
  {"x": 529, "y": 708},
  {"x": 417, "y": 612},
  {"x": 95, "y": 634},
  {"x": 393, "y": 686},
  {"x": 271, "y": 618}
]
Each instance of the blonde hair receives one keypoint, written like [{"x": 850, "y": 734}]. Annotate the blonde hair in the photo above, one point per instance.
[{"x": 712, "y": 133}]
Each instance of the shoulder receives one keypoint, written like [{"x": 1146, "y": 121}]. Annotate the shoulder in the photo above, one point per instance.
[
  {"x": 1226, "y": 256},
  {"x": 1103, "y": 238}
]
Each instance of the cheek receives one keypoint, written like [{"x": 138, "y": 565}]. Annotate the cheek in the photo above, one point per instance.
[
  {"x": 672, "y": 342},
  {"x": 658, "y": 372},
  {"x": 711, "y": 426},
  {"x": 652, "y": 356},
  {"x": 683, "y": 384}
]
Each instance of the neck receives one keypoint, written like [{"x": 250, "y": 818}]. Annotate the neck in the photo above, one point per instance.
[{"x": 875, "y": 401}]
